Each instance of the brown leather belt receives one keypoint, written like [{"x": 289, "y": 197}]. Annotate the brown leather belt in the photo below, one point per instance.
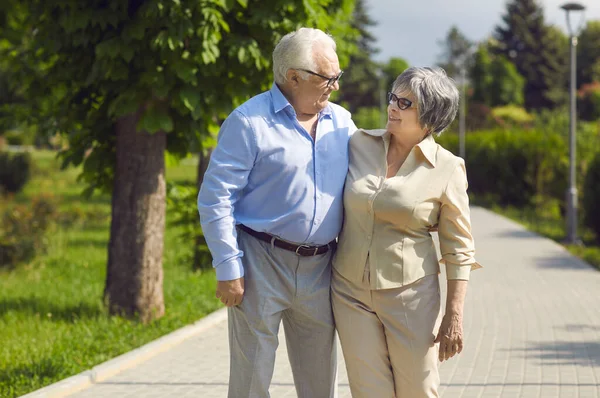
[{"x": 301, "y": 250}]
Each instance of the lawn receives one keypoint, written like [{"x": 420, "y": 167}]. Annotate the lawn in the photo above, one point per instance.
[{"x": 52, "y": 320}]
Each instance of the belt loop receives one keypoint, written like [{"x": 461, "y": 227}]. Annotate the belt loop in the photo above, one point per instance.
[{"x": 273, "y": 242}]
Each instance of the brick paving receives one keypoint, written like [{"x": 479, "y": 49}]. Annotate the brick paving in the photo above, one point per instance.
[{"x": 532, "y": 329}]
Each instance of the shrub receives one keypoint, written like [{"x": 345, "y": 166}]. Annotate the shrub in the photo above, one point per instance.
[
  {"x": 591, "y": 196},
  {"x": 23, "y": 229},
  {"x": 15, "y": 170},
  {"x": 512, "y": 116},
  {"x": 514, "y": 167},
  {"x": 181, "y": 204}
]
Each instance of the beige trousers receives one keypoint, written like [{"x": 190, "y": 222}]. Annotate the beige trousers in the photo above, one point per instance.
[{"x": 387, "y": 337}]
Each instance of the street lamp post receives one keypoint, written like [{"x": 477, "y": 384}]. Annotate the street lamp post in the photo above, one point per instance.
[{"x": 572, "y": 189}]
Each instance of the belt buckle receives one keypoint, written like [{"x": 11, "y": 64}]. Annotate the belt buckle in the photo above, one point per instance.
[{"x": 307, "y": 247}]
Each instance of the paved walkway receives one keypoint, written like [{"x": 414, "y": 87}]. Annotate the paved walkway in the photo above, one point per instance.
[{"x": 532, "y": 329}]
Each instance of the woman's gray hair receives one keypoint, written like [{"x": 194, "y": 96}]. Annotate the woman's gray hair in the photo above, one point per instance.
[
  {"x": 295, "y": 50},
  {"x": 436, "y": 94}
]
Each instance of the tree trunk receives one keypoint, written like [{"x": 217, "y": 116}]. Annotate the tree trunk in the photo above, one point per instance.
[
  {"x": 203, "y": 160},
  {"x": 134, "y": 279},
  {"x": 202, "y": 258}
]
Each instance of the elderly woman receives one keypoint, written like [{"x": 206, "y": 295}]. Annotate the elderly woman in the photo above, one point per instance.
[{"x": 385, "y": 288}]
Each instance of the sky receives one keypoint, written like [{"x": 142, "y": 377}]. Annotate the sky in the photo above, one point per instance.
[{"x": 412, "y": 29}]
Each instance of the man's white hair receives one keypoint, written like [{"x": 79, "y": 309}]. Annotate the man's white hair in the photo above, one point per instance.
[{"x": 295, "y": 51}]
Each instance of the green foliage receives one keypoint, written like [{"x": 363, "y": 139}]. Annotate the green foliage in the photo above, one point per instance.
[
  {"x": 536, "y": 49},
  {"x": 517, "y": 167},
  {"x": 591, "y": 196},
  {"x": 181, "y": 204},
  {"x": 512, "y": 116},
  {"x": 180, "y": 66},
  {"x": 360, "y": 84},
  {"x": 369, "y": 118},
  {"x": 495, "y": 80},
  {"x": 481, "y": 78},
  {"x": 15, "y": 170},
  {"x": 23, "y": 230},
  {"x": 507, "y": 84},
  {"x": 588, "y": 54},
  {"x": 394, "y": 67},
  {"x": 53, "y": 324}
]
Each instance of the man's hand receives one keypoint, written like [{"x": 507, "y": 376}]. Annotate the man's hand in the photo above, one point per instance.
[
  {"x": 230, "y": 293},
  {"x": 450, "y": 336}
]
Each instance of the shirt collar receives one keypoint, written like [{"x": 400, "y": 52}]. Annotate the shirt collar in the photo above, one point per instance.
[
  {"x": 280, "y": 102},
  {"x": 427, "y": 146}
]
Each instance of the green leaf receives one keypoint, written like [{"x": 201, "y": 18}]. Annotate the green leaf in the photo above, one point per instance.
[
  {"x": 155, "y": 120},
  {"x": 242, "y": 55},
  {"x": 186, "y": 71},
  {"x": 243, "y": 3},
  {"x": 190, "y": 97},
  {"x": 228, "y": 4}
]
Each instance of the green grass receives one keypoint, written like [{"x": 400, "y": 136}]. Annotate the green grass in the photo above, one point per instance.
[
  {"x": 551, "y": 225},
  {"x": 52, "y": 320}
]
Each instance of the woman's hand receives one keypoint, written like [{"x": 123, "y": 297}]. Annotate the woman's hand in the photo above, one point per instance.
[{"x": 450, "y": 336}]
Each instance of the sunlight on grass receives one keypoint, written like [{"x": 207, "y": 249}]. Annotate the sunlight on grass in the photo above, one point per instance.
[{"x": 53, "y": 323}]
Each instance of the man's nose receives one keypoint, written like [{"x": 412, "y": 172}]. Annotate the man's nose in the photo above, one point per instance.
[{"x": 335, "y": 86}]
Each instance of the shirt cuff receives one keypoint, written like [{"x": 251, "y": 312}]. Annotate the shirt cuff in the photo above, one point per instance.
[
  {"x": 455, "y": 271},
  {"x": 230, "y": 270}
]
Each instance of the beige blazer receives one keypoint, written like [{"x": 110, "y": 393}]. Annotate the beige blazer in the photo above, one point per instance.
[{"x": 387, "y": 221}]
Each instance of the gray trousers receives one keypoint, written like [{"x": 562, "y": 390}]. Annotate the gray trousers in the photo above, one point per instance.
[{"x": 279, "y": 285}]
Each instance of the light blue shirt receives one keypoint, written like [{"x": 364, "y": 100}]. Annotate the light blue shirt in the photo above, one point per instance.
[{"x": 267, "y": 173}]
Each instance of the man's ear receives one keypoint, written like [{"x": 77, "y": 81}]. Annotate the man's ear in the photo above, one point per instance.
[{"x": 293, "y": 77}]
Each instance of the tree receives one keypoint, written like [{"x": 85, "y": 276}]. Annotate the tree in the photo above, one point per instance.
[
  {"x": 127, "y": 80},
  {"x": 506, "y": 85},
  {"x": 481, "y": 78},
  {"x": 391, "y": 70},
  {"x": 456, "y": 52},
  {"x": 495, "y": 80},
  {"x": 360, "y": 81},
  {"x": 533, "y": 47},
  {"x": 588, "y": 54}
]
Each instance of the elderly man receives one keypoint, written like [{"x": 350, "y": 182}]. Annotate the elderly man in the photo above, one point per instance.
[{"x": 271, "y": 209}]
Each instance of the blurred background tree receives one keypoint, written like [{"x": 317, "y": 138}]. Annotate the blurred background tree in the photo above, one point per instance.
[
  {"x": 360, "y": 84},
  {"x": 588, "y": 54},
  {"x": 456, "y": 52},
  {"x": 537, "y": 52}
]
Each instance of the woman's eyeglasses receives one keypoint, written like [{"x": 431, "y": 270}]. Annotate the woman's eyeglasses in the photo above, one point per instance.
[
  {"x": 330, "y": 80},
  {"x": 403, "y": 103}
]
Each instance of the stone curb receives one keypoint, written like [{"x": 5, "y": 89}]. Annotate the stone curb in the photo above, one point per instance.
[{"x": 110, "y": 368}]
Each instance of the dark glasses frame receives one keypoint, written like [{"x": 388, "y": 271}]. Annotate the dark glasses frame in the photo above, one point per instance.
[
  {"x": 403, "y": 103},
  {"x": 330, "y": 80}
]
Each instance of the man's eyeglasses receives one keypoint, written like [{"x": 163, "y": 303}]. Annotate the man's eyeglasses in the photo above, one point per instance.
[
  {"x": 403, "y": 103},
  {"x": 330, "y": 80}
]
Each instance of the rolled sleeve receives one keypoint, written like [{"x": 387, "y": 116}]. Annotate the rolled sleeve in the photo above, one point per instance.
[
  {"x": 456, "y": 241},
  {"x": 227, "y": 174}
]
